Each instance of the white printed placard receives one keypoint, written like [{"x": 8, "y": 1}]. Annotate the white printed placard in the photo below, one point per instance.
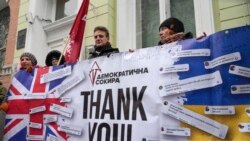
[
  {"x": 67, "y": 112},
  {"x": 151, "y": 139},
  {"x": 232, "y": 57},
  {"x": 219, "y": 110},
  {"x": 37, "y": 109},
  {"x": 49, "y": 118},
  {"x": 68, "y": 85},
  {"x": 238, "y": 70},
  {"x": 65, "y": 99},
  {"x": 190, "y": 84},
  {"x": 174, "y": 68},
  {"x": 244, "y": 127},
  {"x": 34, "y": 137},
  {"x": 35, "y": 96},
  {"x": 53, "y": 138},
  {"x": 175, "y": 131},
  {"x": 194, "y": 119},
  {"x": 70, "y": 129},
  {"x": 55, "y": 74},
  {"x": 191, "y": 53},
  {"x": 35, "y": 125},
  {"x": 240, "y": 89}
]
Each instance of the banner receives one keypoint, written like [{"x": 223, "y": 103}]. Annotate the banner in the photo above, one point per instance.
[{"x": 189, "y": 90}]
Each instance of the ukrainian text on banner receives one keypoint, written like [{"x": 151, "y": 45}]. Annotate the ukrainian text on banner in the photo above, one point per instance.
[
  {"x": 119, "y": 100},
  {"x": 190, "y": 90}
]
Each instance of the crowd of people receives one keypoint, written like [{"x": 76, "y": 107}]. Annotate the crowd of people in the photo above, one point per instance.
[{"x": 170, "y": 30}]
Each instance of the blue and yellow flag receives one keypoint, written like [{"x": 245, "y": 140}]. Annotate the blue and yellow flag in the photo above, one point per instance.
[{"x": 234, "y": 90}]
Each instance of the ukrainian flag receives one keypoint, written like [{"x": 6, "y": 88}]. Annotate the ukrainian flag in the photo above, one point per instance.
[{"x": 220, "y": 44}]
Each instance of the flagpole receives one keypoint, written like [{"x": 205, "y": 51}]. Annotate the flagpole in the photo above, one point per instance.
[{"x": 65, "y": 46}]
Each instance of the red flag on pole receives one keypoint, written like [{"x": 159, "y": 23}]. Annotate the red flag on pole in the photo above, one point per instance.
[{"x": 73, "y": 49}]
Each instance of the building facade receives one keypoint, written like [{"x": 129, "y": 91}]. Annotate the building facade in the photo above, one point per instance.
[{"x": 9, "y": 10}]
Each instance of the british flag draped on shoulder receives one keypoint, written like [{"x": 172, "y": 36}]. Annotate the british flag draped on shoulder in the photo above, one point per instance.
[{"x": 36, "y": 105}]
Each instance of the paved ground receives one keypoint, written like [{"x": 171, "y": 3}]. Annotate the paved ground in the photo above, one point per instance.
[{"x": 2, "y": 117}]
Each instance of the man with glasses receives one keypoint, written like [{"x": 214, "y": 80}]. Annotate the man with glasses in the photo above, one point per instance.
[{"x": 102, "y": 45}]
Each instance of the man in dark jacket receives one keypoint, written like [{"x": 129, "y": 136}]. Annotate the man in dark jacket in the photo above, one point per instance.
[
  {"x": 102, "y": 45},
  {"x": 172, "y": 30}
]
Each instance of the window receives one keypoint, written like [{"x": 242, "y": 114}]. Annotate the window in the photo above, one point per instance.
[
  {"x": 21, "y": 38},
  {"x": 140, "y": 20},
  {"x": 148, "y": 19},
  {"x": 4, "y": 28},
  {"x": 184, "y": 11},
  {"x": 65, "y": 8},
  {"x": 2, "y": 57}
]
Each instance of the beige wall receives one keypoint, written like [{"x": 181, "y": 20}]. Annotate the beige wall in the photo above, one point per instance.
[
  {"x": 101, "y": 13},
  {"x": 22, "y": 24},
  {"x": 231, "y": 13}
]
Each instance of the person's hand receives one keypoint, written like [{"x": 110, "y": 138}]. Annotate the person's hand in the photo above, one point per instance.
[
  {"x": 131, "y": 50},
  {"x": 174, "y": 37},
  {"x": 202, "y": 36},
  {"x": 29, "y": 69},
  {"x": 4, "y": 106}
]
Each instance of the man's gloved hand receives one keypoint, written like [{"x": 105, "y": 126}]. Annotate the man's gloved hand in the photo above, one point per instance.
[
  {"x": 29, "y": 69},
  {"x": 202, "y": 36},
  {"x": 4, "y": 106},
  {"x": 175, "y": 37}
]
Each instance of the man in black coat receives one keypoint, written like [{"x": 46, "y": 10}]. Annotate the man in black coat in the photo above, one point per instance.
[
  {"x": 102, "y": 45},
  {"x": 172, "y": 30}
]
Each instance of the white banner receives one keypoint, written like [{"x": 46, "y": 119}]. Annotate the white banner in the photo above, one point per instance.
[
  {"x": 119, "y": 97},
  {"x": 174, "y": 92}
]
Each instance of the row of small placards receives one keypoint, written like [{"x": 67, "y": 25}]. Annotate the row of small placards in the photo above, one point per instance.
[
  {"x": 199, "y": 82},
  {"x": 195, "y": 120},
  {"x": 72, "y": 80},
  {"x": 62, "y": 127},
  {"x": 206, "y": 80},
  {"x": 61, "y": 110},
  {"x": 228, "y": 58}
]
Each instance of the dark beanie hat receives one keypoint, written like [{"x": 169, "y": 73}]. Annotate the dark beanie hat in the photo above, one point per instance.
[
  {"x": 54, "y": 54},
  {"x": 174, "y": 24},
  {"x": 30, "y": 56}
]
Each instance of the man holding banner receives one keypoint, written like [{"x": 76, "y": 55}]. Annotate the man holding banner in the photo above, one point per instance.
[
  {"x": 171, "y": 30},
  {"x": 102, "y": 45}
]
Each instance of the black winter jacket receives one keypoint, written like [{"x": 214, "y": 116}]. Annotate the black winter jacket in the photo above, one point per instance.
[{"x": 105, "y": 50}]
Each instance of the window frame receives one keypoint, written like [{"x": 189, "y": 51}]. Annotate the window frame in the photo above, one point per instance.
[
  {"x": 21, "y": 42},
  {"x": 52, "y": 5},
  {"x": 126, "y": 11}
]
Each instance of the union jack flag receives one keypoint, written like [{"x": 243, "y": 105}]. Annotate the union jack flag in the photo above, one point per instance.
[{"x": 19, "y": 117}]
